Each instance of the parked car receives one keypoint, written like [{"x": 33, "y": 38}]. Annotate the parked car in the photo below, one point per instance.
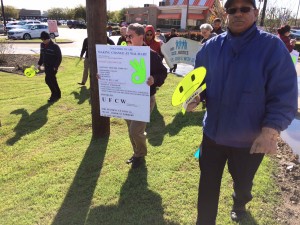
[
  {"x": 27, "y": 32},
  {"x": 295, "y": 34},
  {"x": 14, "y": 25},
  {"x": 76, "y": 24}
]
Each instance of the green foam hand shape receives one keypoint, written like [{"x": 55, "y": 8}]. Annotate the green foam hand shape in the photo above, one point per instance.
[{"x": 139, "y": 76}]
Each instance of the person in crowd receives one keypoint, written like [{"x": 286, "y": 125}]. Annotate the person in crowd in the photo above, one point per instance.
[
  {"x": 158, "y": 73},
  {"x": 122, "y": 39},
  {"x": 160, "y": 36},
  {"x": 151, "y": 40},
  {"x": 168, "y": 38},
  {"x": 206, "y": 32},
  {"x": 251, "y": 97},
  {"x": 217, "y": 26},
  {"x": 284, "y": 34},
  {"x": 50, "y": 57},
  {"x": 84, "y": 50},
  {"x": 109, "y": 30}
]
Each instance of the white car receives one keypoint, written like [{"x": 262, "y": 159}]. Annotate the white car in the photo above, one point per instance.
[
  {"x": 295, "y": 34},
  {"x": 27, "y": 32},
  {"x": 18, "y": 24}
]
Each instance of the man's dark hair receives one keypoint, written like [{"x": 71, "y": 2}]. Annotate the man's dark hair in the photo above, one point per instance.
[
  {"x": 217, "y": 20},
  {"x": 45, "y": 35}
]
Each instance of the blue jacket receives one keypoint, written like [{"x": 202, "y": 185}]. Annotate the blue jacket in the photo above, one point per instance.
[{"x": 251, "y": 83}]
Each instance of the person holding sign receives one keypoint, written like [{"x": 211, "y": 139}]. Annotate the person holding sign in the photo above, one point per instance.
[
  {"x": 284, "y": 33},
  {"x": 251, "y": 95},
  {"x": 51, "y": 58},
  {"x": 158, "y": 73}
]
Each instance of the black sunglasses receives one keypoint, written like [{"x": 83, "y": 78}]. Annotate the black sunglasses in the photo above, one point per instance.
[{"x": 244, "y": 9}]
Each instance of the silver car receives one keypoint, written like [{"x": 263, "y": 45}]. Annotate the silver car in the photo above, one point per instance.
[
  {"x": 295, "y": 34},
  {"x": 27, "y": 32}
]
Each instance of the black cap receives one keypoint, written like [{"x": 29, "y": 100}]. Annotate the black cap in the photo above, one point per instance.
[
  {"x": 229, "y": 2},
  {"x": 45, "y": 35}
]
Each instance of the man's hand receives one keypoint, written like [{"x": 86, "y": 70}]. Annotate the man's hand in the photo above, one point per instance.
[
  {"x": 265, "y": 142},
  {"x": 150, "y": 80},
  {"x": 193, "y": 104}
]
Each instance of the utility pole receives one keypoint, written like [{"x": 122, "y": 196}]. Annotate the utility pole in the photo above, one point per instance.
[
  {"x": 96, "y": 27},
  {"x": 297, "y": 14},
  {"x": 3, "y": 14},
  {"x": 187, "y": 14},
  {"x": 263, "y": 13}
]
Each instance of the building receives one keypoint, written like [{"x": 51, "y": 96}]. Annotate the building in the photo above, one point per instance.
[
  {"x": 173, "y": 13},
  {"x": 29, "y": 14}
]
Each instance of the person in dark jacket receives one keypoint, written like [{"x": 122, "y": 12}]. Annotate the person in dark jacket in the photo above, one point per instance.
[
  {"x": 158, "y": 73},
  {"x": 84, "y": 50},
  {"x": 86, "y": 59},
  {"x": 217, "y": 26},
  {"x": 283, "y": 34},
  {"x": 122, "y": 39},
  {"x": 50, "y": 57},
  {"x": 251, "y": 97},
  {"x": 168, "y": 38}
]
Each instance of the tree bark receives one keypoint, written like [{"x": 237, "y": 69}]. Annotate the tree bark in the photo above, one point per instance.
[{"x": 96, "y": 29}]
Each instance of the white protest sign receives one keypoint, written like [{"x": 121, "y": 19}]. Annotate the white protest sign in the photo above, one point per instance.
[
  {"x": 180, "y": 50},
  {"x": 123, "y": 91}
]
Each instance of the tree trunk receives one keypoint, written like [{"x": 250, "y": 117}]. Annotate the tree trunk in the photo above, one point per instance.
[{"x": 96, "y": 27}]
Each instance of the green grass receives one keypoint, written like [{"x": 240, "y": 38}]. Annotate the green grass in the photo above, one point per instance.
[{"x": 53, "y": 172}]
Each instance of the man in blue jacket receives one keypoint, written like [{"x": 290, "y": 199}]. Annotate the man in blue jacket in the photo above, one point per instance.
[{"x": 251, "y": 96}]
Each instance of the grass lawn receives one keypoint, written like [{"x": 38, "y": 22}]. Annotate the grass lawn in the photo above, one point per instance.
[{"x": 53, "y": 172}]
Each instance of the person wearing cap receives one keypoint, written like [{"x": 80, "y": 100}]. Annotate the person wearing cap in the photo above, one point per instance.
[
  {"x": 160, "y": 36},
  {"x": 50, "y": 57},
  {"x": 251, "y": 96},
  {"x": 217, "y": 26},
  {"x": 284, "y": 34}
]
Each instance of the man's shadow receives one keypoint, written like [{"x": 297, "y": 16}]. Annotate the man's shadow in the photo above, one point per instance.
[
  {"x": 82, "y": 95},
  {"x": 157, "y": 129},
  {"x": 137, "y": 204},
  {"x": 78, "y": 200},
  {"x": 248, "y": 220},
  {"x": 29, "y": 122}
]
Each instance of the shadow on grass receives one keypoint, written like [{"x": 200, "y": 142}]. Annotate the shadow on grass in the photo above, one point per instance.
[
  {"x": 82, "y": 95},
  {"x": 248, "y": 220},
  {"x": 29, "y": 122},
  {"x": 76, "y": 205},
  {"x": 137, "y": 204},
  {"x": 157, "y": 129}
]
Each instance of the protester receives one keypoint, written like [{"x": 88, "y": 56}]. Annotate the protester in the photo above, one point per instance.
[
  {"x": 206, "y": 32},
  {"x": 50, "y": 57},
  {"x": 123, "y": 34},
  {"x": 160, "y": 36},
  {"x": 84, "y": 50},
  {"x": 217, "y": 26},
  {"x": 284, "y": 34},
  {"x": 158, "y": 73},
  {"x": 151, "y": 41},
  {"x": 169, "y": 37},
  {"x": 251, "y": 96}
]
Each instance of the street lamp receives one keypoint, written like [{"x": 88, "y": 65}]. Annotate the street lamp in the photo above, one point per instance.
[{"x": 187, "y": 13}]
